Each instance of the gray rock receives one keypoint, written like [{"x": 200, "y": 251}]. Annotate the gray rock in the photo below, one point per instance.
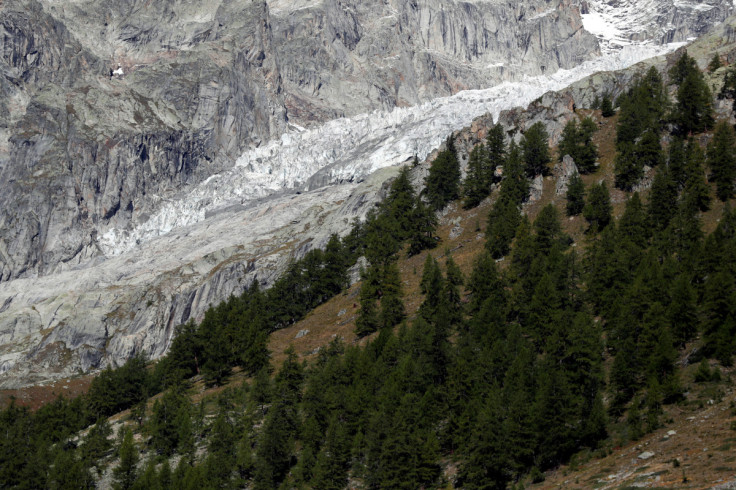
[
  {"x": 563, "y": 172},
  {"x": 536, "y": 187},
  {"x": 646, "y": 455},
  {"x": 301, "y": 333}
]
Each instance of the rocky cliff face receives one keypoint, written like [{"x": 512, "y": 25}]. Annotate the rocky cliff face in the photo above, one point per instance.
[{"x": 131, "y": 194}]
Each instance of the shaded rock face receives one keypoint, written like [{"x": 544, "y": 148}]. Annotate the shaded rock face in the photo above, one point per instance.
[
  {"x": 114, "y": 106},
  {"x": 563, "y": 172}
]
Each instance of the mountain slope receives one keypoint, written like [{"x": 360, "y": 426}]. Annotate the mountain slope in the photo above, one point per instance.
[{"x": 157, "y": 211}]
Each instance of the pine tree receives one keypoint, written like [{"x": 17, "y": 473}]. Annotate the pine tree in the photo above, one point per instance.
[
  {"x": 535, "y": 148},
  {"x": 475, "y": 186},
  {"x": 628, "y": 170},
  {"x": 503, "y": 220},
  {"x": 577, "y": 141},
  {"x": 496, "y": 153},
  {"x": 682, "y": 311},
  {"x": 443, "y": 180},
  {"x": 575, "y": 196},
  {"x": 126, "y": 472},
  {"x": 392, "y": 308},
  {"x": 648, "y": 150},
  {"x": 424, "y": 223},
  {"x": 607, "y": 109},
  {"x": 722, "y": 160},
  {"x": 676, "y": 161},
  {"x": 694, "y": 109},
  {"x": 569, "y": 140},
  {"x": 696, "y": 191},
  {"x": 715, "y": 63},
  {"x": 598, "y": 209},
  {"x": 662, "y": 199}
]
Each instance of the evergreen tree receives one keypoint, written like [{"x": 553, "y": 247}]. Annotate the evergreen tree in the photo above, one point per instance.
[
  {"x": 476, "y": 186},
  {"x": 715, "y": 63},
  {"x": 693, "y": 111},
  {"x": 676, "y": 161},
  {"x": 722, "y": 160},
  {"x": 597, "y": 210},
  {"x": 496, "y": 153},
  {"x": 577, "y": 141},
  {"x": 424, "y": 223},
  {"x": 648, "y": 152},
  {"x": 503, "y": 220},
  {"x": 696, "y": 190},
  {"x": 535, "y": 148},
  {"x": 392, "y": 308},
  {"x": 443, "y": 181},
  {"x": 607, "y": 109},
  {"x": 126, "y": 472},
  {"x": 628, "y": 170},
  {"x": 575, "y": 196},
  {"x": 662, "y": 199}
]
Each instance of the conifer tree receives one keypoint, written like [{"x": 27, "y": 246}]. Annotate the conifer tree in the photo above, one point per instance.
[
  {"x": 475, "y": 186},
  {"x": 443, "y": 181},
  {"x": 392, "y": 308},
  {"x": 607, "y": 109},
  {"x": 693, "y": 111},
  {"x": 628, "y": 170},
  {"x": 682, "y": 311},
  {"x": 535, "y": 148},
  {"x": 648, "y": 152},
  {"x": 575, "y": 196},
  {"x": 496, "y": 153},
  {"x": 715, "y": 63},
  {"x": 126, "y": 472},
  {"x": 569, "y": 140},
  {"x": 722, "y": 160},
  {"x": 633, "y": 225},
  {"x": 676, "y": 161},
  {"x": 696, "y": 192},
  {"x": 424, "y": 223},
  {"x": 662, "y": 199},
  {"x": 503, "y": 220},
  {"x": 598, "y": 209}
]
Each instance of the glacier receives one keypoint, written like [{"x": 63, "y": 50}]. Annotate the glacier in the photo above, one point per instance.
[{"x": 348, "y": 149}]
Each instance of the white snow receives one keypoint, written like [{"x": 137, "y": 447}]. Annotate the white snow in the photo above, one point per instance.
[
  {"x": 348, "y": 149},
  {"x": 119, "y": 71},
  {"x": 618, "y": 23}
]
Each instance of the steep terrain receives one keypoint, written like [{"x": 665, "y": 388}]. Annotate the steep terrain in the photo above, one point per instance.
[{"x": 130, "y": 204}]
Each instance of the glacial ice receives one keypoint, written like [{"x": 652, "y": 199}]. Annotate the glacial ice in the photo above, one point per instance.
[{"x": 348, "y": 149}]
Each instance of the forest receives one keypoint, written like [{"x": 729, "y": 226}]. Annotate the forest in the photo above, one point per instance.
[{"x": 547, "y": 348}]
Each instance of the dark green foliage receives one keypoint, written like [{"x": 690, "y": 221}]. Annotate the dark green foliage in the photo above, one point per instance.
[
  {"x": 641, "y": 119},
  {"x": 722, "y": 160},
  {"x": 693, "y": 112},
  {"x": 728, "y": 91},
  {"x": 126, "y": 472},
  {"x": 575, "y": 196},
  {"x": 116, "y": 389},
  {"x": 597, "y": 210},
  {"x": 607, "y": 106},
  {"x": 627, "y": 169},
  {"x": 662, "y": 199},
  {"x": 443, "y": 181},
  {"x": 424, "y": 223},
  {"x": 504, "y": 217},
  {"x": 476, "y": 186},
  {"x": 577, "y": 141},
  {"x": 715, "y": 63},
  {"x": 535, "y": 150}
]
